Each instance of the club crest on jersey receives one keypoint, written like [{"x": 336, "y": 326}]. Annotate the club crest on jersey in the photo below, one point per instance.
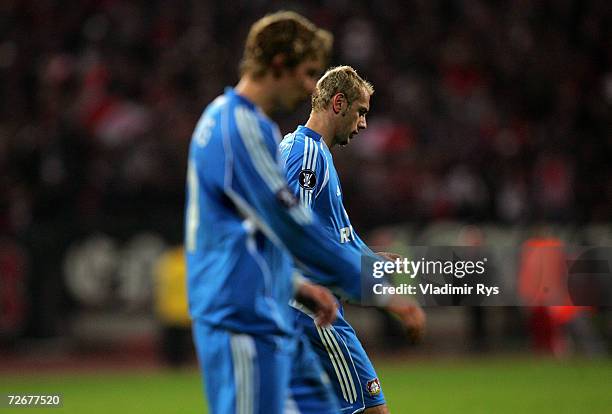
[
  {"x": 307, "y": 179},
  {"x": 373, "y": 387}
]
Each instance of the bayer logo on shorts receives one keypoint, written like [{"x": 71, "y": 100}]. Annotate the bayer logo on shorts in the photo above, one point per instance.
[{"x": 307, "y": 179}]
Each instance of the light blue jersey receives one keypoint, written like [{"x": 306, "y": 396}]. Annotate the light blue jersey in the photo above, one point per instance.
[
  {"x": 312, "y": 177},
  {"x": 244, "y": 231},
  {"x": 243, "y": 225}
]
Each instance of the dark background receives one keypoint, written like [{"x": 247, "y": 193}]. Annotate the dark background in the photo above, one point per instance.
[{"x": 492, "y": 113}]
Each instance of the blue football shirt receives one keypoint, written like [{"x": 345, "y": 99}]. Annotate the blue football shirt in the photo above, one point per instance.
[
  {"x": 312, "y": 177},
  {"x": 244, "y": 228}
]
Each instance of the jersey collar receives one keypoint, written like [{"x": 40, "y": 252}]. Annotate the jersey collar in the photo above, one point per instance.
[
  {"x": 309, "y": 132},
  {"x": 231, "y": 93}
]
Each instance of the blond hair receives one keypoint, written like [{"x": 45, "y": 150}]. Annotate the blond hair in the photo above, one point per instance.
[
  {"x": 341, "y": 79},
  {"x": 286, "y": 33}
]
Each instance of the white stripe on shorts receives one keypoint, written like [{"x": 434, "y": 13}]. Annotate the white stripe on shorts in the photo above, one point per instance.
[
  {"x": 245, "y": 373},
  {"x": 338, "y": 361}
]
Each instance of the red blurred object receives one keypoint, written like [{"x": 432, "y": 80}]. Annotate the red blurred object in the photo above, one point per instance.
[
  {"x": 542, "y": 281},
  {"x": 13, "y": 302}
]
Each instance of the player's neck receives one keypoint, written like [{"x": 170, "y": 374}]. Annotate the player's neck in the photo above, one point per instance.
[
  {"x": 321, "y": 126},
  {"x": 258, "y": 92}
]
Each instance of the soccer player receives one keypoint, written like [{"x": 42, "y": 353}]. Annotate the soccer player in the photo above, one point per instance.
[
  {"x": 244, "y": 229},
  {"x": 340, "y": 104}
]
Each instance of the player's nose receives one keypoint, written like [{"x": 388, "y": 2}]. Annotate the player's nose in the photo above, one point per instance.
[{"x": 310, "y": 85}]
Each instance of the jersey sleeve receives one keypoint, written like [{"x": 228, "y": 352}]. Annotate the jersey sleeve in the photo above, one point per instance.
[
  {"x": 306, "y": 170},
  {"x": 300, "y": 157},
  {"x": 258, "y": 189},
  {"x": 361, "y": 244}
]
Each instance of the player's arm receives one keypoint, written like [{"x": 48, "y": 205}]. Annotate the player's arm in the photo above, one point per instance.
[
  {"x": 259, "y": 190},
  {"x": 305, "y": 170},
  {"x": 407, "y": 310},
  {"x": 317, "y": 299}
]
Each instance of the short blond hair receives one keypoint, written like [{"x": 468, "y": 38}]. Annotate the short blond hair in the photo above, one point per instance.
[
  {"x": 286, "y": 33},
  {"x": 341, "y": 79}
]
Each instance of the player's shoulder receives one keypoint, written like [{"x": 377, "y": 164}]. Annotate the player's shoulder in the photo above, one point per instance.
[
  {"x": 297, "y": 145},
  {"x": 247, "y": 123},
  {"x": 208, "y": 126},
  {"x": 293, "y": 138},
  {"x": 288, "y": 143},
  {"x": 292, "y": 149},
  {"x": 214, "y": 109},
  {"x": 236, "y": 109}
]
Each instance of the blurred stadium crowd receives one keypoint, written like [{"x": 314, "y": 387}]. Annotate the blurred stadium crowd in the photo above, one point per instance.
[
  {"x": 489, "y": 111},
  {"x": 483, "y": 110}
]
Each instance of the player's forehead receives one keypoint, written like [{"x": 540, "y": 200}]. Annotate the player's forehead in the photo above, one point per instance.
[{"x": 363, "y": 101}]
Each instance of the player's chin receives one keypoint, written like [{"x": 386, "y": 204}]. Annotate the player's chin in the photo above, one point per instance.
[
  {"x": 348, "y": 140},
  {"x": 292, "y": 104}
]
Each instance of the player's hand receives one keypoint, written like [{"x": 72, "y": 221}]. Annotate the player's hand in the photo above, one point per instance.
[
  {"x": 319, "y": 300},
  {"x": 412, "y": 316},
  {"x": 390, "y": 256}
]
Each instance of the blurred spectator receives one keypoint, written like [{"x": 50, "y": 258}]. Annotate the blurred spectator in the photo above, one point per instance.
[
  {"x": 171, "y": 307},
  {"x": 473, "y": 239},
  {"x": 505, "y": 105},
  {"x": 543, "y": 285}
]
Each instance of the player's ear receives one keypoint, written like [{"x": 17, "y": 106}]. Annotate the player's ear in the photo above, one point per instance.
[
  {"x": 277, "y": 65},
  {"x": 338, "y": 102}
]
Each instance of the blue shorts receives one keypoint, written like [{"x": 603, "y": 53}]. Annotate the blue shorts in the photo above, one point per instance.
[
  {"x": 352, "y": 375},
  {"x": 251, "y": 374},
  {"x": 310, "y": 387}
]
